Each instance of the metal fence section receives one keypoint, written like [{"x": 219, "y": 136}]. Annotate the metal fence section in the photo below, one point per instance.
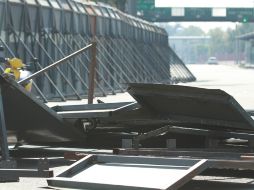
[{"x": 129, "y": 49}]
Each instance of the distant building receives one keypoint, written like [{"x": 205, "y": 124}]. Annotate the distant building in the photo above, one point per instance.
[
  {"x": 191, "y": 49},
  {"x": 249, "y": 47}
]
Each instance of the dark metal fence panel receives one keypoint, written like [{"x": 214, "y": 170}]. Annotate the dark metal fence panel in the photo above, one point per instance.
[{"x": 129, "y": 49}]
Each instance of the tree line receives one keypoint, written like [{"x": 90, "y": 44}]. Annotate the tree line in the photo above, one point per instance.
[{"x": 222, "y": 42}]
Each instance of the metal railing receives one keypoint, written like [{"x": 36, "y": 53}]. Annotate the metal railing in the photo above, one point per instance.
[{"x": 128, "y": 49}]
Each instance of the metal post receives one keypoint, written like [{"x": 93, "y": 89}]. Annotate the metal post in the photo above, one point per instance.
[
  {"x": 2, "y": 56},
  {"x": 237, "y": 46},
  {"x": 3, "y": 133},
  {"x": 92, "y": 68}
]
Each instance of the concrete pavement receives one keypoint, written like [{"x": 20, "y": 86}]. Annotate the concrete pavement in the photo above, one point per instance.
[{"x": 235, "y": 80}]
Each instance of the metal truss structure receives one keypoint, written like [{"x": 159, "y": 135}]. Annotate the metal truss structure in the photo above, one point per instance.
[{"x": 128, "y": 49}]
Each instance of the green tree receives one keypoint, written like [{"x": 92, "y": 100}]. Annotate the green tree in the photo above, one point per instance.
[
  {"x": 217, "y": 42},
  {"x": 230, "y": 43},
  {"x": 191, "y": 31}
]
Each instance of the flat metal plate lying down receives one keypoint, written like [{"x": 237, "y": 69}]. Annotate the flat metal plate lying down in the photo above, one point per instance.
[
  {"x": 191, "y": 106},
  {"x": 86, "y": 111},
  {"x": 128, "y": 172},
  {"x": 32, "y": 119}
]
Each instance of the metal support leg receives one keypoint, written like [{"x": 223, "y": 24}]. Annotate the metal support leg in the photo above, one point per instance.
[
  {"x": 98, "y": 73},
  {"x": 3, "y": 132},
  {"x": 5, "y": 160},
  {"x": 92, "y": 75}
]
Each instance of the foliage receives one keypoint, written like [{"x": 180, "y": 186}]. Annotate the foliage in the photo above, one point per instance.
[
  {"x": 222, "y": 43},
  {"x": 217, "y": 43},
  {"x": 191, "y": 31}
]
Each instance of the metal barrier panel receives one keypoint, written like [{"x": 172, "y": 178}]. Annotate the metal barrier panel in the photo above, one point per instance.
[
  {"x": 128, "y": 172},
  {"x": 128, "y": 48}
]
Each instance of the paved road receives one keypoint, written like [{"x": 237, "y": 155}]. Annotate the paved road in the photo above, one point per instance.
[{"x": 238, "y": 82}]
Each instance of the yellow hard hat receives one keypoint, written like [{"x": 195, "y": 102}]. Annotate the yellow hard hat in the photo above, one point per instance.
[{"x": 16, "y": 63}]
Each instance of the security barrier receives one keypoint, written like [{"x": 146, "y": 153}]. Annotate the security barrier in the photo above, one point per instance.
[{"x": 128, "y": 49}]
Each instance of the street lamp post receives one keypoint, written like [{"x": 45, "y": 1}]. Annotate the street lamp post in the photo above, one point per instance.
[{"x": 237, "y": 45}]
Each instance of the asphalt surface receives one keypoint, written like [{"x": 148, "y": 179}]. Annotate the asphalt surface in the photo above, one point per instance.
[
  {"x": 239, "y": 82},
  {"x": 235, "y": 80}
]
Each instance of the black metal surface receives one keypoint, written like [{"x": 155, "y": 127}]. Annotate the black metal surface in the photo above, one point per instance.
[
  {"x": 31, "y": 119},
  {"x": 3, "y": 132},
  {"x": 192, "y": 107},
  {"x": 157, "y": 106}
]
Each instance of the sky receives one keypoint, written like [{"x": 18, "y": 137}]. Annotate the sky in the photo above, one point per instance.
[{"x": 207, "y": 3}]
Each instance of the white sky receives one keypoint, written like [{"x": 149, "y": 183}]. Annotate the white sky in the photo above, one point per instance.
[{"x": 205, "y": 3}]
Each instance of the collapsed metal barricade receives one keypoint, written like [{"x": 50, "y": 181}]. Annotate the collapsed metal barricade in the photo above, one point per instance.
[
  {"x": 128, "y": 49},
  {"x": 217, "y": 114},
  {"x": 159, "y": 109}
]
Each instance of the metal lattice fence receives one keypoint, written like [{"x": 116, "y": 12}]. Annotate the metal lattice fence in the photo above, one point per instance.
[{"x": 128, "y": 49}]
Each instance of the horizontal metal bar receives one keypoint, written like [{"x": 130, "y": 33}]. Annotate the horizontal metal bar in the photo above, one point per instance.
[
  {"x": 234, "y": 154},
  {"x": 212, "y": 133},
  {"x": 26, "y": 173},
  {"x": 85, "y": 114},
  {"x": 55, "y": 64},
  {"x": 87, "y": 107}
]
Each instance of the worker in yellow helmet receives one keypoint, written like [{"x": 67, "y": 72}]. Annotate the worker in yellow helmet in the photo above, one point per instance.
[{"x": 14, "y": 68}]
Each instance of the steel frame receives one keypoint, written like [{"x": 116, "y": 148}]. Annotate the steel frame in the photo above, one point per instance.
[{"x": 186, "y": 169}]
